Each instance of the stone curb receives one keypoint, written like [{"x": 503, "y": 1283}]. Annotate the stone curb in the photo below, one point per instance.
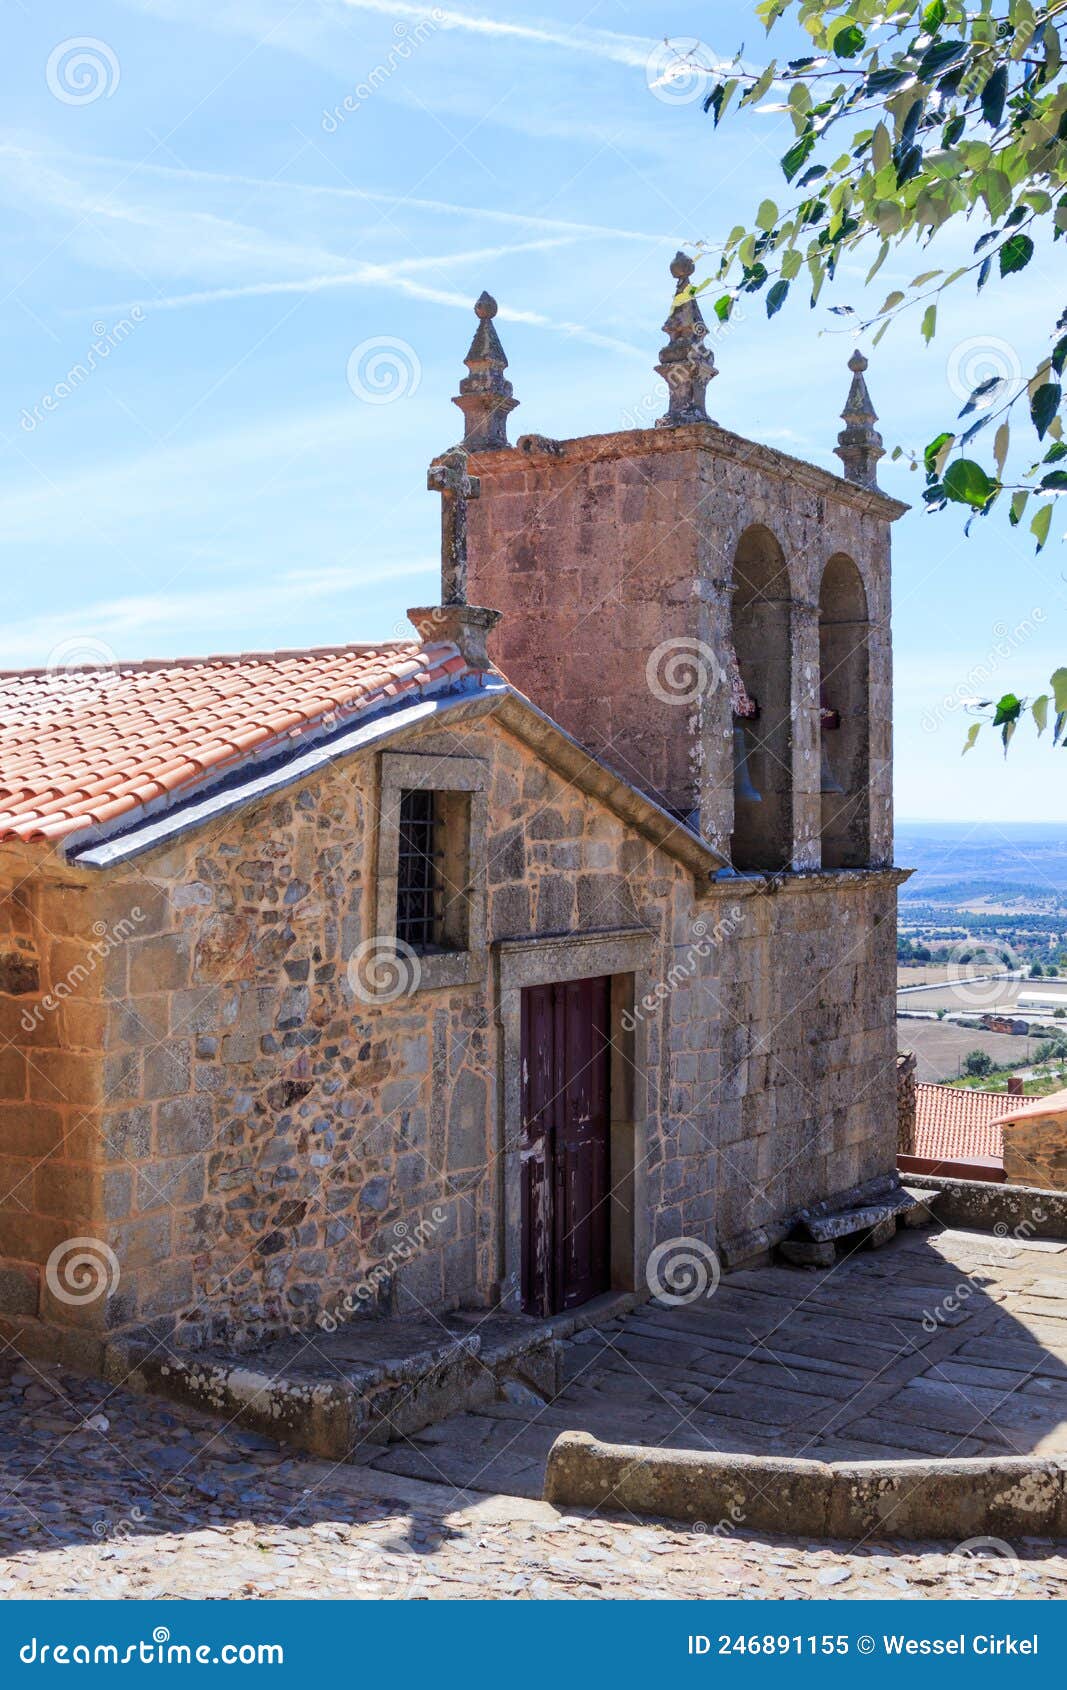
[
  {"x": 1008, "y": 1211},
  {"x": 1021, "y": 1495}
]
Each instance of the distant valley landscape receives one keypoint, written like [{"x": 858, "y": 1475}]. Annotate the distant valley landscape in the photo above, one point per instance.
[{"x": 982, "y": 949}]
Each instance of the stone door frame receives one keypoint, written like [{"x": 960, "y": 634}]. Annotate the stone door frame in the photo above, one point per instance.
[{"x": 626, "y": 955}]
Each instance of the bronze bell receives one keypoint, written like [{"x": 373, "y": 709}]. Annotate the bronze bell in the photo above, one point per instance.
[{"x": 744, "y": 791}]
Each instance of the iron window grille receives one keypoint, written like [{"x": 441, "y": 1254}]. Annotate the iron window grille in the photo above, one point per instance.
[{"x": 419, "y": 890}]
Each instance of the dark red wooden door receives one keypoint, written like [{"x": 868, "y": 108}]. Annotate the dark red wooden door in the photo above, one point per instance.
[{"x": 566, "y": 1141}]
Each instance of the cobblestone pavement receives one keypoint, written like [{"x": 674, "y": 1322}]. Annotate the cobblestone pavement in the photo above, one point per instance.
[{"x": 106, "y": 1494}]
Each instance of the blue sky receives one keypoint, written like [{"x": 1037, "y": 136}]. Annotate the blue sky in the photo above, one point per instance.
[{"x": 232, "y": 233}]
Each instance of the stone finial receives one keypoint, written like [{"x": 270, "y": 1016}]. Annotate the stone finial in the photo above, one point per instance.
[
  {"x": 466, "y": 625},
  {"x": 485, "y": 395},
  {"x": 859, "y": 445},
  {"x": 685, "y": 363}
]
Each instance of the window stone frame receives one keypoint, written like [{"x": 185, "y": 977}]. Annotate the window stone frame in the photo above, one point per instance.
[{"x": 401, "y": 771}]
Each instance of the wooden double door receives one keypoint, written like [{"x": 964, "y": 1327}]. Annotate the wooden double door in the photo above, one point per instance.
[{"x": 566, "y": 1144}]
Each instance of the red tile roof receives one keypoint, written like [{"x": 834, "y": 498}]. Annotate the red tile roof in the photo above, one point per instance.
[
  {"x": 85, "y": 746},
  {"x": 1053, "y": 1103},
  {"x": 956, "y": 1125}
]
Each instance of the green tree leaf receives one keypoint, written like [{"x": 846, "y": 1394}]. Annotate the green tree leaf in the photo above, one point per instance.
[
  {"x": 1044, "y": 403},
  {"x": 1039, "y": 527},
  {"x": 1015, "y": 254},
  {"x": 849, "y": 41},
  {"x": 966, "y": 483}
]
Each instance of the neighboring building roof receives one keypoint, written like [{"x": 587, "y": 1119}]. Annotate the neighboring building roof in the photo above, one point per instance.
[
  {"x": 83, "y": 747},
  {"x": 108, "y": 762},
  {"x": 956, "y": 1124},
  {"x": 1053, "y": 1103}
]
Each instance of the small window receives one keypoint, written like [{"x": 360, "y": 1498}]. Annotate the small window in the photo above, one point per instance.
[{"x": 432, "y": 885}]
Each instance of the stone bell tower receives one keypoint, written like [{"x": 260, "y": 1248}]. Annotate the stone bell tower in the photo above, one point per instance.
[{"x": 664, "y": 597}]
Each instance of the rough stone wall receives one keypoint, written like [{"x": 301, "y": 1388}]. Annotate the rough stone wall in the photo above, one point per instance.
[
  {"x": 603, "y": 549},
  {"x": 806, "y": 1102},
  {"x": 907, "y": 1103},
  {"x": 59, "y": 963},
  {"x": 266, "y": 1142},
  {"x": 1035, "y": 1151},
  {"x": 208, "y": 1098}
]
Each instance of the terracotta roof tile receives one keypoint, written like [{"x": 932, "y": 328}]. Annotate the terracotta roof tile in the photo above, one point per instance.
[
  {"x": 1053, "y": 1103},
  {"x": 953, "y": 1124},
  {"x": 88, "y": 745}
]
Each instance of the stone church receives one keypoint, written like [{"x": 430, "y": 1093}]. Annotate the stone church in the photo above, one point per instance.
[{"x": 479, "y": 969}]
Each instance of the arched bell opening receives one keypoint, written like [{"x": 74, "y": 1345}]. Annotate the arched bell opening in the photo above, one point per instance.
[
  {"x": 844, "y": 717},
  {"x": 761, "y": 703}
]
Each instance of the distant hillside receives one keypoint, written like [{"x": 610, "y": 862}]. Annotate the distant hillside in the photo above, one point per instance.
[{"x": 958, "y": 861}]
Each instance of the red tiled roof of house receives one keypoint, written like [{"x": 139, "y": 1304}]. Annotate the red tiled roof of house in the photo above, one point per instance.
[
  {"x": 1051, "y": 1104},
  {"x": 81, "y": 747},
  {"x": 954, "y": 1124}
]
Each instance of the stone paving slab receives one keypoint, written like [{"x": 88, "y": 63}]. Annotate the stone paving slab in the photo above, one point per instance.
[{"x": 952, "y": 1351}]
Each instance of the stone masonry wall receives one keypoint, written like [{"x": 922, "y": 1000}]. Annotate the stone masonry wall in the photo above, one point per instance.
[
  {"x": 805, "y": 1106},
  {"x": 1035, "y": 1150},
  {"x": 202, "y": 1093},
  {"x": 262, "y": 1142},
  {"x": 599, "y": 550}
]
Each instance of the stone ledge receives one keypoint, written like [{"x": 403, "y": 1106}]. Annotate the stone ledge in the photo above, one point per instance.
[
  {"x": 1019, "y": 1211},
  {"x": 729, "y": 883},
  {"x": 365, "y": 1383},
  {"x": 907, "y": 1499}
]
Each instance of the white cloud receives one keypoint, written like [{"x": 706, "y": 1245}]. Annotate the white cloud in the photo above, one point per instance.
[
  {"x": 124, "y": 625},
  {"x": 269, "y": 21},
  {"x": 157, "y": 483},
  {"x": 280, "y": 185},
  {"x": 631, "y": 50},
  {"x": 169, "y": 241}
]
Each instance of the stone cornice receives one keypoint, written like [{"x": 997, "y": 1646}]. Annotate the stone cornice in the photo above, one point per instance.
[
  {"x": 789, "y": 881},
  {"x": 699, "y": 437}
]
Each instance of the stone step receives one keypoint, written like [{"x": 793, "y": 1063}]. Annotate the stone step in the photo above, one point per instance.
[{"x": 369, "y": 1381}]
